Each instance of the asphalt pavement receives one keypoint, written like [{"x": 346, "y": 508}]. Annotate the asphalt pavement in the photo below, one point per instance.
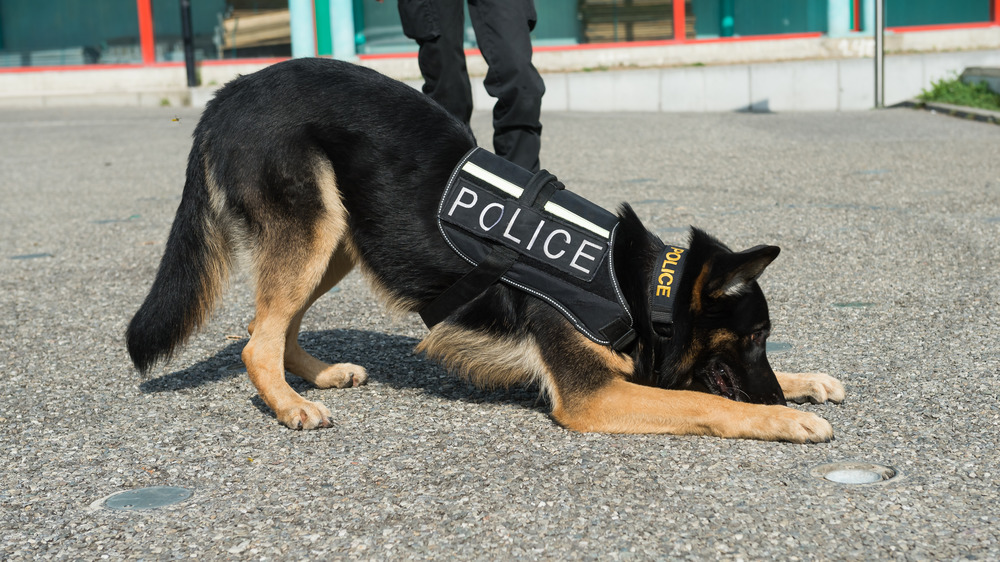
[{"x": 889, "y": 224}]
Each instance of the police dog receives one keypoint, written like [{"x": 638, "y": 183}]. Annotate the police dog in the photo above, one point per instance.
[{"x": 310, "y": 167}]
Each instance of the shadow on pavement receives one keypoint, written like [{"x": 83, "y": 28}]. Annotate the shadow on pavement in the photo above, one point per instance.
[{"x": 389, "y": 359}]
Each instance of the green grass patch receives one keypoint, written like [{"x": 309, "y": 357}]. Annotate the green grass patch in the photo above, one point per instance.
[{"x": 956, "y": 92}]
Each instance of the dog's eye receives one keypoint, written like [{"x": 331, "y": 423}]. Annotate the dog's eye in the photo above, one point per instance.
[{"x": 759, "y": 337}]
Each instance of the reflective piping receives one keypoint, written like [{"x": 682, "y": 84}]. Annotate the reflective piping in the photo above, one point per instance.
[
  {"x": 493, "y": 179},
  {"x": 576, "y": 219},
  {"x": 515, "y": 191}
]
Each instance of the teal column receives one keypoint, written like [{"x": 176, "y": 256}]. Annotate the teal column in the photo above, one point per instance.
[
  {"x": 838, "y": 18},
  {"x": 324, "y": 44},
  {"x": 303, "y": 28},
  {"x": 342, "y": 29},
  {"x": 868, "y": 16},
  {"x": 727, "y": 20}
]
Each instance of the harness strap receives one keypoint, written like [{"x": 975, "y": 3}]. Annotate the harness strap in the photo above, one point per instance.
[
  {"x": 619, "y": 333},
  {"x": 662, "y": 316},
  {"x": 470, "y": 285}
]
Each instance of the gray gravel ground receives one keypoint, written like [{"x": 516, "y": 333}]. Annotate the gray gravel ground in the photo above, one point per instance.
[{"x": 888, "y": 223}]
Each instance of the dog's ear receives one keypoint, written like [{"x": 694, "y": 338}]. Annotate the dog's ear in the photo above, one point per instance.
[{"x": 732, "y": 272}]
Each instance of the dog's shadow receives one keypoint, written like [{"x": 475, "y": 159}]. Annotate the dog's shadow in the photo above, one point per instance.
[{"x": 389, "y": 360}]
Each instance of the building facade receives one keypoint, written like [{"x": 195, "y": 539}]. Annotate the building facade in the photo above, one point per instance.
[{"x": 111, "y": 33}]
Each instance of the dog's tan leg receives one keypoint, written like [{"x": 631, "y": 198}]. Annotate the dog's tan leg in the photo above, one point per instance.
[
  {"x": 263, "y": 357},
  {"x": 291, "y": 256},
  {"x": 624, "y": 407},
  {"x": 810, "y": 387},
  {"x": 591, "y": 393},
  {"x": 301, "y": 363}
]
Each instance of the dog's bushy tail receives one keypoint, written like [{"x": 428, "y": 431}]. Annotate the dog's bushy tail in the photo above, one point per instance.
[{"x": 192, "y": 274}]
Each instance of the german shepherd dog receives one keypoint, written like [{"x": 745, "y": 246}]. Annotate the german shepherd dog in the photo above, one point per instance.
[{"x": 310, "y": 167}]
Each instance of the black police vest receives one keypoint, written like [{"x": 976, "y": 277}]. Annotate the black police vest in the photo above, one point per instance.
[{"x": 527, "y": 231}]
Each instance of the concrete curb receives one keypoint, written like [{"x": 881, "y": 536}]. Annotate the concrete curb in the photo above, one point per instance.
[
  {"x": 844, "y": 84},
  {"x": 960, "y": 111},
  {"x": 983, "y": 74},
  {"x": 811, "y": 85},
  {"x": 164, "y": 97}
]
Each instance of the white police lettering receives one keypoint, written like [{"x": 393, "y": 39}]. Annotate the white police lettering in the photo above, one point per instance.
[
  {"x": 525, "y": 230},
  {"x": 549, "y": 239},
  {"x": 534, "y": 236},
  {"x": 486, "y": 209},
  {"x": 458, "y": 200},
  {"x": 506, "y": 233},
  {"x": 579, "y": 254}
]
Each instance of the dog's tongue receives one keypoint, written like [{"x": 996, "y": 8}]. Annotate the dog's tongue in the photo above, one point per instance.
[
  {"x": 721, "y": 376},
  {"x": 720, "y": 381}
]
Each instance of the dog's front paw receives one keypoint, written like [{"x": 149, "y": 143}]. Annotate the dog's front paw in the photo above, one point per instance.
[
  {"x": 788, "y": 424},
  {"x": 811, "y": 387},
  {"x": 305, "y": 415}
]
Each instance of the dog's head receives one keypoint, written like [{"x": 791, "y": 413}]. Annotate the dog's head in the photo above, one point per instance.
[{"x": 720, "y": 323}]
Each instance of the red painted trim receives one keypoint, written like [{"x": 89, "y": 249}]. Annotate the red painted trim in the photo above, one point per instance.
[
  {"x": 173, "y": 64},
  {"x": 943, "y": 26},
  {"x": 225, "y": 62},
  {"x": 629, "y": 44},
  {"x": 857, "y": 16},
  {"x": 741, "y": 39},
  {"x": 147, "y": 42},
  {"x": 405, "y": 55},
  {"x": 26, "y": 69},
  {"x": 680, "y": 21},
  {"x": 621, "y": 45},
  {"x": 996, "y": 12}
]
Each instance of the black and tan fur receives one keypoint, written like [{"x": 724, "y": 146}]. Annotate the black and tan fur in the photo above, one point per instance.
[{"x": 312, "y": 167}]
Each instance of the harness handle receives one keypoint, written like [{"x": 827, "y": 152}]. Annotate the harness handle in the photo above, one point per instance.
[{"x": 539, "y": 189}]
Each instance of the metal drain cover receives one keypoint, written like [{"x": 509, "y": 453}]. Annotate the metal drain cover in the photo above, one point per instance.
[
  {"x": 854, "y": 473},
  {"x": 147, "y": 498}
]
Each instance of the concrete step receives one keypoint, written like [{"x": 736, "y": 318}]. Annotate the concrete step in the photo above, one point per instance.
[
  {"x": 844, "y": 84},
  {"x": 990, "y": 75}
]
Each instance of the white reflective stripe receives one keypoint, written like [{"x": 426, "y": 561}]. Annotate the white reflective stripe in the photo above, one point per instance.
[
  {"x": 576, "y": 219},
  {"x": 493, "y": 179},
  {"x": 511, "y": 189}
]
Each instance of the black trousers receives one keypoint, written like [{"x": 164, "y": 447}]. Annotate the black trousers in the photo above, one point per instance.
[{"x": 502, "y": 30}]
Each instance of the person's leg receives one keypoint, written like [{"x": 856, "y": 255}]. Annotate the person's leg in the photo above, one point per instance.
[
  {"x": 438, "y": 26},
  {"x": 503, "y": 31}
]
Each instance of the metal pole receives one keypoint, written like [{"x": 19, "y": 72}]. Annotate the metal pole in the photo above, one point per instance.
[
  {"x": 188, "y": 43},
  {"x": 879, "y": 53}
]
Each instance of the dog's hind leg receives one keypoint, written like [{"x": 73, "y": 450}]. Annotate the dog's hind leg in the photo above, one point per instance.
[
  {"x": 304, "y": 365},
  {"x": 292, "y": 250},
  {"x": 264, "y": 354}
]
